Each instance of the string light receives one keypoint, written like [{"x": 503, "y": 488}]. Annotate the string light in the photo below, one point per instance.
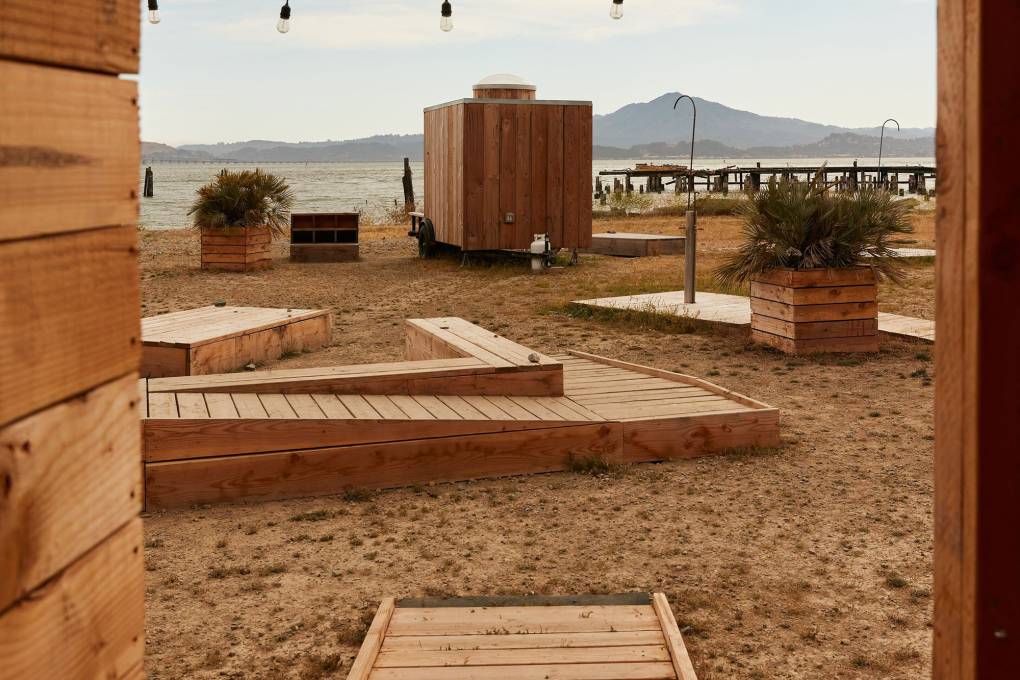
[
  {"x": 446, "y": 22},
  {"x": 283, "y": 25}
]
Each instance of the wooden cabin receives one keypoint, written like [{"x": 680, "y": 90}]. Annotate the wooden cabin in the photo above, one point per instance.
[{"x": 504, "y": 166}]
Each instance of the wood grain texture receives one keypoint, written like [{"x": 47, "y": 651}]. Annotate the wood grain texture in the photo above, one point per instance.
[
  {"x": 92, "y": 35},
  {"x": 332, "y": 470},
  {"x": 68, "y": 132},
  {"x": 68, "y": 316},
  {"x": 87, "y": 621},
  {"x": 977, "y": 547},
  {"x": 71, "y": 479}
]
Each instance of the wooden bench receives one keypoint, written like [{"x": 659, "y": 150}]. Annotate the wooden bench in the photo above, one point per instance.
[
  {"x": 220, "y": 339},
  {"x": 591, "y": 637},
  {"x": 447, "y": 356}
]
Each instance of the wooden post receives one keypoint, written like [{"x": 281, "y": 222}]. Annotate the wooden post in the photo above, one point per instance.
[
  {"x": 977, "y": 437},
  {"x": 409, "y": 202},
  {"x": 147, "y": 190},
  {"x": 691, "y": 258}
]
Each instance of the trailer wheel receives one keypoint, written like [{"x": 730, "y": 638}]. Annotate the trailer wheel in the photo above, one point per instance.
[{"x": 426, "y": 238}]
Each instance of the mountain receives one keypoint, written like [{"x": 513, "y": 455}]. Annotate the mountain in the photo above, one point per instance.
[
  {"x": 377, "y": 148},
  {"x": 657, "y": 121},
  {"x": 154, "y": 152},
  {"x": 646, "y": 130}
]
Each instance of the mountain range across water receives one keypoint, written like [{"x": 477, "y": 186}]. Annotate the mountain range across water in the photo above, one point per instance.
[{"x": 645, "y": 130}]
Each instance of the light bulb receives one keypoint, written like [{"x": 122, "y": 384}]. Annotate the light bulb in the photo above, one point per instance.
[
  {"x": 153, "y": 11},
  {"x": 446, "y": 14},
  {"x": 283, "y": 25},
  {"x": 616, "y": 9}
]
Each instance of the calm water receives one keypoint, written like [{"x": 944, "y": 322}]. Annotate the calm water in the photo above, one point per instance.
[{"x": 366, "y": 187}]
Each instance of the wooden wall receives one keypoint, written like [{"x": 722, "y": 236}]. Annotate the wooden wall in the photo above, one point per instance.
[
  {"x": 71, "y": 574},
  {"x": 484, "y": 160},
  {"x": 977, "y": 440}
]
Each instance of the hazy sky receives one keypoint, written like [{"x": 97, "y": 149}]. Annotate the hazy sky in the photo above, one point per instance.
[{"x": 217, "y": 70}]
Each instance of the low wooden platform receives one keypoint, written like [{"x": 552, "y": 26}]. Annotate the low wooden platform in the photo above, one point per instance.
[
  {"x": 736, "y": 310},
  {"x": 221, "y": 339},
  {"x": 615, "y": 637},
  {"x": 269, "y": 436},
  {"x": 621, "y": 244}
]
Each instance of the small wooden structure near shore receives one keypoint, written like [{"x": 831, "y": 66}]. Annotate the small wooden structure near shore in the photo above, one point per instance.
[
  {"x": 220, "y": 339},
  {"x": 323, "y": 237},
  {"x": 467, "y": 404},
  {"x": 504, "y": 166},
  {"x": 237, "y": 249},
  {"x": 583, "y": 637}
]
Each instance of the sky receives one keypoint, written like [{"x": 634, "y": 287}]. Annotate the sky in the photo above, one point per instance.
[{"x": 217, "y": 70}]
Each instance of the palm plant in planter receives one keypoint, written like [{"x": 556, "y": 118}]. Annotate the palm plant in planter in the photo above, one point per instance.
[
  {"x": 813, "y": 258},
  {"x": 238, "y": 214}
]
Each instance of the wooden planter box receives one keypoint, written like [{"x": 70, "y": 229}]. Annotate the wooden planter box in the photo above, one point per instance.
[
  {"x": 825, "y": 310},
  {"x": 238, "y": 249}
]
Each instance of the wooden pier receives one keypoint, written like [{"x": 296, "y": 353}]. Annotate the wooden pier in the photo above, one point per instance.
[{"x": 914, "y": 179}]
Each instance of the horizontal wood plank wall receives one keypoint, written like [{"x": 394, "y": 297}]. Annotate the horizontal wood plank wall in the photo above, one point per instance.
[
  {"x": 486, "y": 161},
  {"x": 71, "y": 564},
  {"x": 85, "y": 449},
  {"x": 69, "y": 316},
  {"x": 93, "y": 35},
  {"x": 68, "y": 161},
  {"x": 87, "y": 621}
]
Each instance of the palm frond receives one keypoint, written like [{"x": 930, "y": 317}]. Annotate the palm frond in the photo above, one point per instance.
[
  {"x": 804, "y": 225},
  {"x": 248, "y": 198}
]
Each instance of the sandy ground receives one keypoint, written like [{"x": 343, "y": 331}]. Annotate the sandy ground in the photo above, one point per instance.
[{"x": 809, "y": 561}]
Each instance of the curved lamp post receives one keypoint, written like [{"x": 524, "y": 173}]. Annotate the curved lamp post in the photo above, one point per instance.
[
  {"x": 691, "y": 245},
  {"x": 881, "y": 143}
]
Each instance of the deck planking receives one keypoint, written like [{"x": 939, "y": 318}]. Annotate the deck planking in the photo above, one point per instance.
[{"x": 216, "y": 446}]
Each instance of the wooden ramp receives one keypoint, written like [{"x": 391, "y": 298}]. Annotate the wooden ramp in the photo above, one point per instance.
[
  {"x": 614, "y": 637},
  {"x": 221, "y": 339}
]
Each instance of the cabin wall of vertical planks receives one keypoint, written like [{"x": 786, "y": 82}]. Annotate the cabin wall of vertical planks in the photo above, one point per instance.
[
  {"x": 487, "y": 159},
  {"x": 71, "y": 562}
]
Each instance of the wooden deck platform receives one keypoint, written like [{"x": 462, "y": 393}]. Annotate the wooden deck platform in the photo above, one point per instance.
[
  {"x": 220, "y": 339},
  {"x": 736, "y": 310},
  {"x": 616, "y": 637},
  {"x": 282, "y": 434},
  {"x": 621, "y": 244}
]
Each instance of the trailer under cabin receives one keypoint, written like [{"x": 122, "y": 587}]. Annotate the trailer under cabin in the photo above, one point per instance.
[{"x": 504, "y": 166}]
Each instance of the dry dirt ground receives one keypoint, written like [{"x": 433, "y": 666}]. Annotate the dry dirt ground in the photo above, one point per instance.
[{"x": 810, "y": 561}]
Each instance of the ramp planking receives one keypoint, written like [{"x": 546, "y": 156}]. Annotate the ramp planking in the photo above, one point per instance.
[{"x": 629, "y": 637}]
